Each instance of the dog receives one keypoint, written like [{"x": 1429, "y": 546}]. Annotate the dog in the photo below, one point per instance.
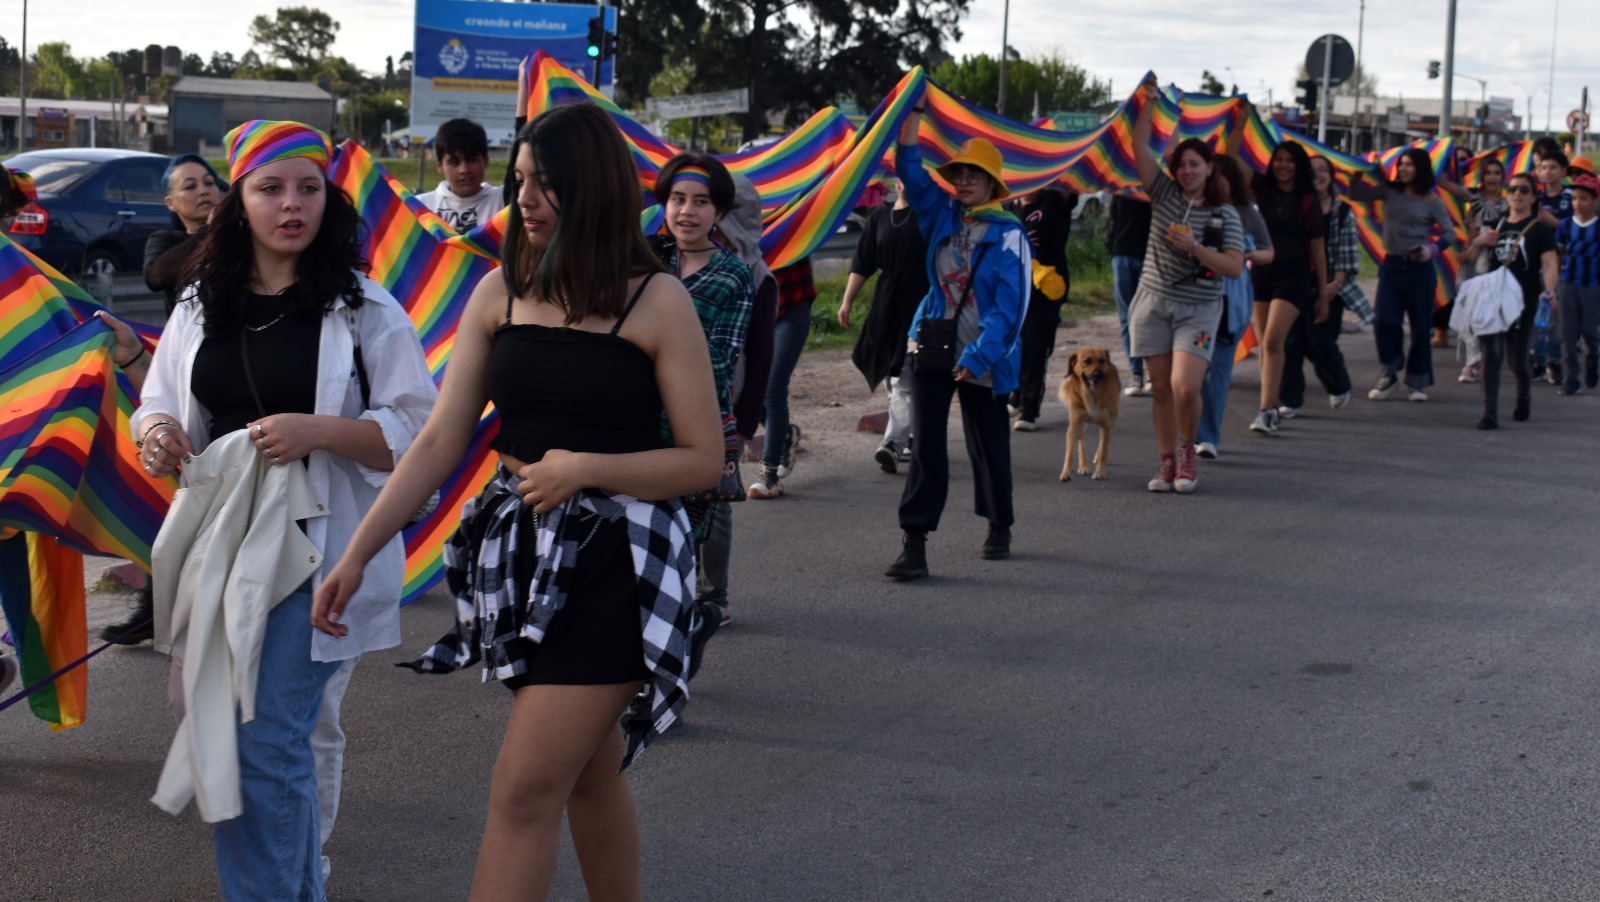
[{"x": 1092, "y": 392}]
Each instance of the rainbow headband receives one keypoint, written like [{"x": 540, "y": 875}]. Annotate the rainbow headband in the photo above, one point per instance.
[
  {"x": 694, "y": 174},
  {"x": 23, "y": 182},
  {"x": 261, "y": 141}
]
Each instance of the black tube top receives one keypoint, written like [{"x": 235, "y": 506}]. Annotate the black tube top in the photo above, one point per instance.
[{"x": 568, "y": 389}]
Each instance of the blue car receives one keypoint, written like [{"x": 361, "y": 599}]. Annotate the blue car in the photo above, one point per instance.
[{"x": 96, "y": 207}]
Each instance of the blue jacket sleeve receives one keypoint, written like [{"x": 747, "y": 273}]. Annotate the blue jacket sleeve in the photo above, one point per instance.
[
  {"x": 1006, "y": 279},
  {"x": 929, "y": 201}
]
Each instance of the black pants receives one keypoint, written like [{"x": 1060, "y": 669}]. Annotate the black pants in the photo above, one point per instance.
[
  {"x": 1038, "y": 343},
  {"x": 1510, "y": 347},
  {"x": 987, "y": 430},
  {"x": 1319, "y": 343}
]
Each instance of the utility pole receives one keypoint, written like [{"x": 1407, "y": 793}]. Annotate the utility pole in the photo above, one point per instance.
[
  {"x": 1005, "y": 26},
  {"x": 22, "y": 115},
  {"x": 1550, "y": 89},
  {"x": 1327, "y": 76},
  {"x": 1355, "y": 121},
  {"x": 1449, "y": 69}
]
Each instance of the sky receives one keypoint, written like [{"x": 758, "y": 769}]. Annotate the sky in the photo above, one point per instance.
[{"x": 1113, "y": 39}]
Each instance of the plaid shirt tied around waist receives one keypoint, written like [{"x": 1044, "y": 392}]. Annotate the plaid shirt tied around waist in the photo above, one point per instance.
[{"x": 492, "y": 609}]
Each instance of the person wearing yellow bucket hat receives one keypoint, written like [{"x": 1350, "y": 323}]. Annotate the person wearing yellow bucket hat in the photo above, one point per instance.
[
  {"x": 281, "y": 356},
  {"x": 967, "y": 336}
]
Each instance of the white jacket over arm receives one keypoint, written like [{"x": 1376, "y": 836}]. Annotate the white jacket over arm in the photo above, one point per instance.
[{"x": 403, "y": 394}]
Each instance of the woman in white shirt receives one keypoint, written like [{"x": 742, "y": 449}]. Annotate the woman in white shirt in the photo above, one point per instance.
[{"x": 264, "y": 341}]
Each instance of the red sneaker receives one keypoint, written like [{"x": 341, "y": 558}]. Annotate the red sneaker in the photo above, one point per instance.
[
  {"x": 1188, "y": 469},
  {"x": 1165, "y": 475}
]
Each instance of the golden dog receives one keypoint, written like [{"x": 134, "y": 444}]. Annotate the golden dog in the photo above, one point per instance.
[{"x": 1092, "y": 392}]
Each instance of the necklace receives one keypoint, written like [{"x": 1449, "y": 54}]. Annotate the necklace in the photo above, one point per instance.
[
  {"x": 898, "y": 221},
  {"x": 268, "y": 325}
]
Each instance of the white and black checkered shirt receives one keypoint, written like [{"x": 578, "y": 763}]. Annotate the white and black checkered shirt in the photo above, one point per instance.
[{"x": 492, "y": 609}]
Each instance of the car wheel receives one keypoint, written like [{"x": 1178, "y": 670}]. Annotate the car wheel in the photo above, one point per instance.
[{"x": 98, "y": 261}]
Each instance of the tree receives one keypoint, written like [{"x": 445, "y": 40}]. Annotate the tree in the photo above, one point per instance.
[
  {"x": 56, "y": 72},
  {"x": 1059, "y": 84},
  {"x": 193, "y": 64},
  {"x": 1210, "y": 84},
  {"x": 1368, "y": 85},
  {"x": 222, "y": 65},
  {"x": 299, "y": 36}
]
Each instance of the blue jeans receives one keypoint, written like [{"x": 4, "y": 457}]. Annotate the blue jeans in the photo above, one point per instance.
[
  {"x": 1405, "y": 294},
  {"x": 1125, "y": 272},
  {"x": 1214, "y": 392},
  {"x": 788, "y": 340},
  {"x": 273, "y": 852}
]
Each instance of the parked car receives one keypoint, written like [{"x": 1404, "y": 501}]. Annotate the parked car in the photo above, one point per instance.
[{"x": 95, "y": 209}]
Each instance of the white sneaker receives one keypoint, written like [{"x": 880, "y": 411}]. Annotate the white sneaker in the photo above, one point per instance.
[
  {"x": 1131, "y": 390},
  {"x": 1382, "y": 390},
  {"x": 1013, "y": 411},
  {"x": 1206, "y": 450},
  {"x": 1288, "y": 412},
  {"x": 765, "y": 487},
  {"x": 1022, "y": 424},
  {"x": 1338, "y": 401},
  {"x": 1416, "y": 394}
]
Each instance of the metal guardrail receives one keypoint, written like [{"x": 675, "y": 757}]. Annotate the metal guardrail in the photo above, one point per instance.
[{"x": 127, "y": 296}]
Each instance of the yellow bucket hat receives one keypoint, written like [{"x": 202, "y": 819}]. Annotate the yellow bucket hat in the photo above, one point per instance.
[{"x": 980, "y": 153}]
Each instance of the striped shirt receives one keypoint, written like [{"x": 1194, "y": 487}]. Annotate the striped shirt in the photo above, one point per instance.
[
  {"x": 1174, "y": 276},
  {"x": 1580, "y": 251}
]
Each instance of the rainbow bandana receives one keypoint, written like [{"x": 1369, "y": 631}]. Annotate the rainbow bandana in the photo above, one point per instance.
[
  {"x": 694, "y": 174},
  {"x": 261, "y": 141},
  {"x": 23, "y": 182}
]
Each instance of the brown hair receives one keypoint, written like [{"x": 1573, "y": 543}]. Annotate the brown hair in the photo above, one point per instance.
[
  {"x": 1213, "y": 190},
  {"x": 597, "y": 245},
  {"x": 1239, "y": 193},
  {"x": 721, "y": 188}
]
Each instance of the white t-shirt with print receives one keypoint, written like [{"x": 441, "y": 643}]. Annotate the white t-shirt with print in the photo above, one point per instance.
[{"x": 463, "y": 213}]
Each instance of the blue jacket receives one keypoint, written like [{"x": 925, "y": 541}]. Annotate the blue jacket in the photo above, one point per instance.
[{"x": 1000, "y": 286}]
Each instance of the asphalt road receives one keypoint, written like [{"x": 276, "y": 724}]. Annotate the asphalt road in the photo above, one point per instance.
[{"x": 1358, "y": 664}]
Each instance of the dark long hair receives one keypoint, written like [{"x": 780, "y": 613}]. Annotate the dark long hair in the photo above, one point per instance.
[
  {"x": 324, "y": 272},
  {"x": 597, "y": 245},
  {"x": 1214, "y": 195},
  {"x": 1421, "y": 183},
  {"x": 1266, "y": 184}
]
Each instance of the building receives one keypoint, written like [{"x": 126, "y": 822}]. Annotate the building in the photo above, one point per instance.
[
  {"x": 1381, "y": 122},
  {"x": 205, "y": 109},
  {"x": 82, "y": 123}
]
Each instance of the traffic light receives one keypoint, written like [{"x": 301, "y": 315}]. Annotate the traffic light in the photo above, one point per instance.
[
  {"x": 597, "y": 37},
  {"x": 1307, "y": 98},
  {"x": 608, "y": 45},
  {"x": 1433, "y": 68}
]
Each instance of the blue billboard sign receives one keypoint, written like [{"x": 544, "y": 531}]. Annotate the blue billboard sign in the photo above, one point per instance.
[{"x": 468, "y": 51}]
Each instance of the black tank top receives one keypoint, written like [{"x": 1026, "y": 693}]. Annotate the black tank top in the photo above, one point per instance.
[{"x": 573, "y": 390}]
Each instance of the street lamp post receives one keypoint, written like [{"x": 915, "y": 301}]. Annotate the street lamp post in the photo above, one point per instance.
[
  {"x": 1449, "y": 68},
  {"x": 1527, "y": 121},
  {"x": 1005, "y": 24},
  {"x": 22, "y": 114},
  {"x": 1483, "y": 100}
]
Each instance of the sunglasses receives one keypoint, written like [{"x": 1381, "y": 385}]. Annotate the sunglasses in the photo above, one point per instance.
[
  {"x": 964, "y": 174},
  {"x": 1518, "y": 188}
]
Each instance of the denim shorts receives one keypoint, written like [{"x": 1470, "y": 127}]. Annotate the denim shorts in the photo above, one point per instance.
[{"x": 1159, "y": 326}]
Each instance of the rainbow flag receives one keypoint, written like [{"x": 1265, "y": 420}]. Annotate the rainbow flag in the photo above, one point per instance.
[
  {"x": 66, "y": 470},
  {"x": 41, "y": 592}
]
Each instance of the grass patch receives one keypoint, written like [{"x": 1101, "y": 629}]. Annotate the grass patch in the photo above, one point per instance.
[{"x": 1089, "y": 295}]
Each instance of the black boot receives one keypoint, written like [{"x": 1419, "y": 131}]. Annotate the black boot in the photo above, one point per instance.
[
  {"x": 997, "y": 547},
  {"x": 913, "y": 560},
  {"x": 708, "y": 619},
  {"x": 140, "y": 625}
]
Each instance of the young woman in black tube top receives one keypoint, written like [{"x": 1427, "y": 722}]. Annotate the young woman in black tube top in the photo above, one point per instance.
[{"x": 582, "y": 343}]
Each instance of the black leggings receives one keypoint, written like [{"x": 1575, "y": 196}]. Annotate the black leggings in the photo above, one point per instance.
[{"x": 1510, "y": 347}]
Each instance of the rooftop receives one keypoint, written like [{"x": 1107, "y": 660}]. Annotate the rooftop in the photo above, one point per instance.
[{"x": 248, "y": 87}]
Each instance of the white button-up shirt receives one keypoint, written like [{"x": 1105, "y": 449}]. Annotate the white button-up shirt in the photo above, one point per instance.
[{"x": 402, "y": 394}]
